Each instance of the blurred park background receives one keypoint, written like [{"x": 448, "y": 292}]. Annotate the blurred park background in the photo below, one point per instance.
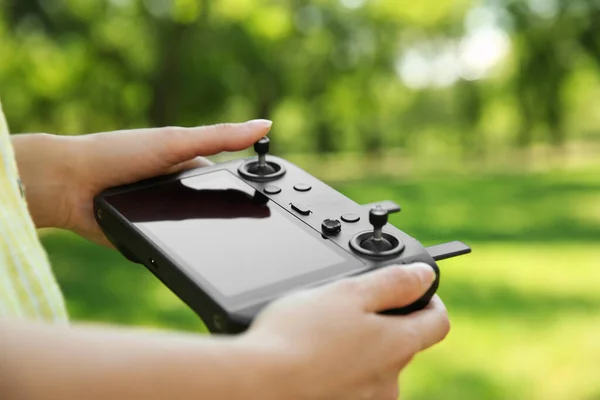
[{"x": 480, "y": 117}]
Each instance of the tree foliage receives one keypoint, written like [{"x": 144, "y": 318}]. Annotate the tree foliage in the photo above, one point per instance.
[{"x": 329, "y": 73}]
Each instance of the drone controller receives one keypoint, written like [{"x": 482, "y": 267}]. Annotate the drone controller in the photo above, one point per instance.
[{"x": 230, "y": 238}]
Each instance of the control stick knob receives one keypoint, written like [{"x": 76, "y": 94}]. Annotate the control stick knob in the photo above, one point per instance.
[
  {"x": 378, "y": 217},
  {"x": 260, "y": 169},
  {"x": 261, "y": 147},
  {"x": 377, "y": 243}
]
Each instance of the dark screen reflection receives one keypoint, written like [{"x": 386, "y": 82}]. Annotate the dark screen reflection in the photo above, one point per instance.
[
  {"x": 176, "y": 201},
  {"x": 221, "y": 229}
]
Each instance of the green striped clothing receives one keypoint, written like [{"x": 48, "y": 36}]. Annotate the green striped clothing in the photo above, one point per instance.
[{"x": 28, "y": 288}]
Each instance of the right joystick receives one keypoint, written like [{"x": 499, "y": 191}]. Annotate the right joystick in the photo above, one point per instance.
[
  {"x": 376, "y": 242},
  {"x": 378, "y": 217}
]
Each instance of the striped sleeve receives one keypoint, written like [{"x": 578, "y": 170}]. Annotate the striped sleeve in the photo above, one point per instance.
[{"x": 28, "y": 288}]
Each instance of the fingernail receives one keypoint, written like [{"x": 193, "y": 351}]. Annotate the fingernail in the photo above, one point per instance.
[
  {"x": 260, "y": 123},
  {"x": 424, "y": 271}
]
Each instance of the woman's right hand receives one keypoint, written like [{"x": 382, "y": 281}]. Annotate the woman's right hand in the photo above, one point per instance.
[
  {"x": 331, "y": 343},
  {"x": 321, "y": 344}
]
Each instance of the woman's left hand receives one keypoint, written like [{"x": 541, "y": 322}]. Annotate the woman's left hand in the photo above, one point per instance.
[{"x": 62, "y": 174}]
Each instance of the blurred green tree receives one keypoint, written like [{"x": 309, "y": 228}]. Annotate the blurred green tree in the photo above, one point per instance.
[{"x": 334, "y": 75}]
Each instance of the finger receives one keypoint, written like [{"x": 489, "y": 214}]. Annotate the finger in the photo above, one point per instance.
[
  {"x": 390, "y": 287},
  {"x": 423, "y": 328},
  {"x": 196, "y": 162},
  {"x": 182, "y": 144},
  {"x": 137, "y": 154}
]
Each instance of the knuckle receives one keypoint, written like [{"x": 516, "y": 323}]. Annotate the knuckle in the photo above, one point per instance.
[
  {"x": 388, "y": 282},
  {"x": 210, "y": 130},
  {"x": 389, "y": 391},
  {"x": 222, "y": 134},
  {"x": 351, "y": 286},
  {"x": 403, "y": 282},
  {"x": 174, "y": 133},
  {"x": 175, "y": 139},
  {"x": 413, "y": 340},
  {"x": 392, "y": 396},
  {"x": 413, "y": 281},
  {"x": 173, "y": 130},
  {"x": 352, "y": 290},
  {"x": 403, "y": 358},
  {"x": 401, "y": 278},
  {"x": 444, "y": 325},
  {"x": 407, "y": 359},
  {"x": 442, "y": 320}
]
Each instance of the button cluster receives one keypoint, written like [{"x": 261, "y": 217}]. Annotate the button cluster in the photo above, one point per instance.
[
  {"x": 299, "y": 187},
  {"x": 329, "y": 226}
]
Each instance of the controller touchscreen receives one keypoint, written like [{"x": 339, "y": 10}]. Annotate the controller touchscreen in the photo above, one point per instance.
[{"x": 225, "y": 232}]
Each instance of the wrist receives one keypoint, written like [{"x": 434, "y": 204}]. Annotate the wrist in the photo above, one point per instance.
[
  {"x": 45, "y": 165},
  {"x": 229, "y": 368},
  {"x": 265, "y": 371}
]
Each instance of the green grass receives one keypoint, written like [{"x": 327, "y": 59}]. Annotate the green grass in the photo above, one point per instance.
[
  {"x": 525, "y": 325},
  {"x": 525, "y": 305}
]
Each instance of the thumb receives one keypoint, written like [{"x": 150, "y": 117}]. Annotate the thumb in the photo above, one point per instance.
[
  {"x": 132, "y": 155},
  {"x": 182, "y": 144},
  {"x": 392, "y": 286}
]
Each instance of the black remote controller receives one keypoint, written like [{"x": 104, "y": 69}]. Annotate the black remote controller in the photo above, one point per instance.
[{"x": 230, "y": 238}]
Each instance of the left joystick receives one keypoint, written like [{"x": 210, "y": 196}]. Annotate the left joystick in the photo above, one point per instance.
[
  {"x": 261, "y": 169},
  {"x": 261, "y": 147}
]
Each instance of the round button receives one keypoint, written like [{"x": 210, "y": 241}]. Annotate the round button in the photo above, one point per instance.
[
  {"x": 302, "y": 187},
  {"x": 272, "y": 190},
  {"x": 331, "y": 226},
  {"x": 350, "y": 218}
]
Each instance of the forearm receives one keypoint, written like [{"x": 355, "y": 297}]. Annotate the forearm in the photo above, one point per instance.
[
  {"x": 42, "y": 362},
  {"x": 45, "y": 164}
]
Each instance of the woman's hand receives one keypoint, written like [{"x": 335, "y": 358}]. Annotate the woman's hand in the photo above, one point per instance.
[
  {"x": 62, "y": 174},
  {"x": 331, "y": 343},
  {"x": 324, "y": 344}
]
